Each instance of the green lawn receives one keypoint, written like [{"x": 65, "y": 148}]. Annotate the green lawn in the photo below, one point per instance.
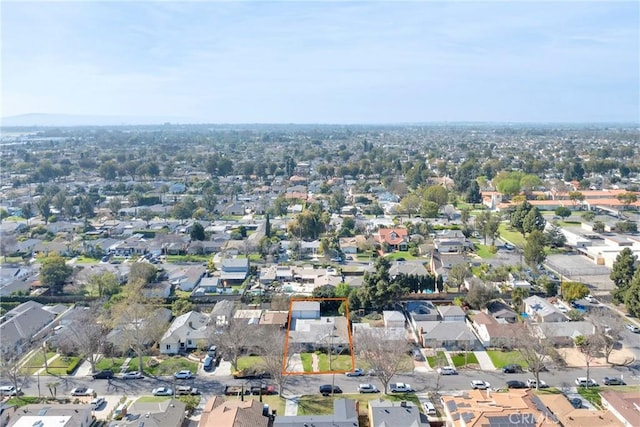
[
  {"x": 113, "y": 363},
  {"x": 60, "y": 365},
  {"x": 502, "y": 358},
  {"x": 400, "y": 254},
  {"x": 511, "y": 235},
  {"x": 165, "y": 367},
  {"x": 338, "y": 363},
  {"x": 245, "y": 362},
  {"x": 152, "y": 399},
  {"x": 188, "y": 258},
  {"x": 459, "y": 359},
  {"x": 592, "y": 394},
  {"x": 483, "y": 251},
  {"x": 307, "y": 361},
  {"x": 438, "y": 360},
  {"x": 23, "y": 400},
  {"x": 37, "y": 360},
  {"x": 86, "y": 260}
]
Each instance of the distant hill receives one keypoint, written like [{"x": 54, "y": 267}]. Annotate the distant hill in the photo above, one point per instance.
[{"x": 47, "y": 120}]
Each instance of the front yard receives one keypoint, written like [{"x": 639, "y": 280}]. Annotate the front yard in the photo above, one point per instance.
[
  {"x": 323, "y": 405},
  {"x": 502, "y": 358},
  {"x": 438, "y": 360},
  {"x": 464, "y": 359}
]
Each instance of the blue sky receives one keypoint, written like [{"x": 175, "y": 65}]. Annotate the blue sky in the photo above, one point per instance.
[{"x": 324, "y": 62}]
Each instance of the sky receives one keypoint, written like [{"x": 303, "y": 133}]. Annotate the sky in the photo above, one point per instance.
[{"x": 369, "y": 62}]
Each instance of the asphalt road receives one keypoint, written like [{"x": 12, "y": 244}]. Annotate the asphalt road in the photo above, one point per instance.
[{"x": 308, "y": 384}]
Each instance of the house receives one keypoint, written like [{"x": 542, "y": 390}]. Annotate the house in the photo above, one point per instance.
[
  {"x": 394, "y": 238},
  {"x": 184, "y": 333},
  {"x": 208, "y": 285},
  {"x": 20, "y": 324},
  {"x": 562, "y": 334},
  {"x": 250, "y": 317},
  {"x": 234, "y": 271},
  {"x": 500, "y": 310},
  {"x": 421, "y": 311},
  {"x": 157, "y": 290},
  {"x": 395, "y": 334},
  {"x": 407, "y": 268},
  {"x": 567, "y": 415},
  {"x": 187, "y": 278},
  {"x": 345, "y": 414},
  {"x": 442, "y": 263},
  {"x": 324, "y": 332},
  {"x": 450, "y": 241},
  {"x": 541, "y": 310},
  {"x": 625, "y": 406},
  {"x": 121, "y": 332},
  {"x": 274, "y": 318},
  {"x": 163, "y": 413},
  {"x": 485, "y": 408},
  {"x": 450, "y": 335},
  {"x": 451, "y": 313},
  {"x": 496, "y": 333},
  {"x": 305, "y": 310},
  {"x": 60, "y": 414},
  {"x": 384, "y": 413},
  {"x": 393, "y": 319},
  {"x": 349, "y": 245},
  {"x": 218, "y": 412}
]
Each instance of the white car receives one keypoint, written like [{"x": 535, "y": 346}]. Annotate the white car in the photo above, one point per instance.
[
  {"x": 162, "y": 391},
  {"x": 400, "y": 388},
  {"x": 531, "y": 383},
  {"x": 183, "y": 375},
  {"x": 480, "y": 385},
  {"x": 583, "y": 382},
  {"x": 591, "y": 299},
  {"x": 367, "y": 388},
  {"x": 633, "y": 328},
  {"x": 134, "y": 375},
  {"x": 9, "y": 390},
  {"x": 97, "y": 402},
  {"x": 447, "y": 370},
  {"x": 355, "y": 373},
  {"x": 82, "y": 391}
]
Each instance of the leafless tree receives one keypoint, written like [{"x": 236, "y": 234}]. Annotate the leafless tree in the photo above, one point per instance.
[
  {"x": 277, "y": 359},
  {"x": 386, "y": 357},
  {"x": 609, "y": 328},
  {"x": 87, "y": 333},
  {"x": 590, "y": 348},
  {"x": 234, "y": 339},
  {"x": 535, "y": 352},
  {"x": 11, "y": 368},
  {"x": 137, "y": 319}
]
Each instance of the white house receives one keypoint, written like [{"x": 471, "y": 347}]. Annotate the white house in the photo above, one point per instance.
[
  {"x": 305, "y": 310},
  {"x": 393, "y": 319},
  {"x": 541, "y": 310},
  {"x": 184, "y": 333},
  {"x": 451, "y": 313}
]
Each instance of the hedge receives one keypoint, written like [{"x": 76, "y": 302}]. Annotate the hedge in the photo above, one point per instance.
[{"x": 73, "y": 366}]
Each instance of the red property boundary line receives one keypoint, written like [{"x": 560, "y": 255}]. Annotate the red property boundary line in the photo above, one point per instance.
[{"x": 286, "y": 343}]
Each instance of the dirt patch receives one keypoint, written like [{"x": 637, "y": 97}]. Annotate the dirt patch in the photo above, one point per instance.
[{"x": 575, "y": 359}]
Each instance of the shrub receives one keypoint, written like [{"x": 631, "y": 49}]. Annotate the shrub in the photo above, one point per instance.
[{"x": 73, "y": 366}]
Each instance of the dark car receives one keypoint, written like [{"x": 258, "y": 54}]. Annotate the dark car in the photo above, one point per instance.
[
  {"x": 512, "y": 369},
  {"x": 576, "y": 402},
  {"x": 327, "y": 389},
  {"x": 613, "y": 381},
  {"x": 516, "y": 384},
  {"x": 107, "y": 374}
]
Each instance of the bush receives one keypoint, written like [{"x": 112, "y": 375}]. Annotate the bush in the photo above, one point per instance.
[{"x": 73, "y": 366}]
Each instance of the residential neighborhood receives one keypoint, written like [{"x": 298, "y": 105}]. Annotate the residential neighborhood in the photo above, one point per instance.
[{"x": 357, "y": 276}]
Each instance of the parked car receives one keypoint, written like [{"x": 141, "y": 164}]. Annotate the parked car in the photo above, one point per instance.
[
  {"x": 183, "y": 375},
  {"x": 531, "y": 382},
  {"x": 576, "y": 402},
  {"x": 400, "y": 388},
  {"x": 512, "y": 369},
  {"x": 9, "y": 390},
  {"x": 480, "y": 385},
  {"x": 447, "y": 370},
  {"x": 106, "y": 374},
  {"x": 162, "y": 391},
  {"x": 97, "y": 403},
  {"x": 328, "y": 389},
  {"x": 355, "y": 373},
  {"x": 583, "y": 382},
  {"x": 417, "y": 355},
  {"x": 82, "y": 391},
  {"x": 367, "y": 388},
  {"x": 613, "y": 381},
  {"x": 213, "y": 350},
  {"x": 516, "y": 384},
  {"x": 633, "y": 328},
  {"x": 186, "y": 390},
  {"x": 509, "y": 246},
  {"x": 133, "y": 375},
  {"x": 429, "y": 407},
  {"x": 208, "y": 363},
  {"x": 591, "y": 299}
]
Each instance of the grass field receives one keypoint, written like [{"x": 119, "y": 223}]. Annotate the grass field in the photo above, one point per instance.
[
  {"x": 165, "y": 367},
  {"x": 438, "y": 360},
  {"x": 152, "y": 399},
  {"x": 338, "y": 363},
  {"x": 307, "y": 362},
  {"x": 113, "y": 363},
  {"x": 60, "y": 365},
  {"x": 188, "y": 258},
  {"x": 592, "y": 394},
  {"x": 459, "y": 359},
  {"x": 323, "y": 405},
  {"x": 511, "y": 235},
  {"x": 406, "y": 255},
  {"x": 502, "y": 358},
  {"x": 245, "y": 362},
  {"x": 483, "y": 251}
]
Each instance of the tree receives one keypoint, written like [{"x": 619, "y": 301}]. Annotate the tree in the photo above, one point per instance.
[
  {"x": 575, "y": 196},
  {"x": 142, "y": 272},
  {"x": 533, "y": 220},
  {"x": 12, "y": 369},
  {"x": 554, "y": 237},
  {"x": 589, "y": 347},
  {"x": 86, "y": 333},
  {"x": 572, "y": 291},
  {"x": 410, "y": 204},
  {"x": 44, "y": 207},
  {"x": 563, "y": 212},
  {"x": 534, "y": 253},
  {"x": 437, "y": 194},
  {"x": 267, "y": 226},
  {"x": 115, "y": 204},
  {"x": 534, "y": 352},
  {"x": 632, "y": 296},
  {"x": 377, "y": 290},
  {"x": 138, "y": 320},
  {"x": 609, "y": 327},
  {"x": 277, "y": 359},
  {"x": 384, "y": 356},
  {"x": 518, "y": 216},
  {"x": 480, "y": 295},
  {"x": 473, "y": 194},
  {"x": 627, "y": 198},
  {"x": 518, "y": 295},
  {"x": 622, "y": 272},
  {"x": 102, "y": 284},
  {"x": 54, "y": 272},
  {"x": 233, "y": 339},
  {"x": 197, "y": 232},
  {"x": 458, "y": 274},
  {"x": 181, "y": 306}
]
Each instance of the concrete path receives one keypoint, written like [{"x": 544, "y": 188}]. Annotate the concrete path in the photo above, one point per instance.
[
  {"x": 125, "y": 365},
  {"x": 449, "y": 359},
  {"x": 49, "y": 362},
  {"x": 295, "y": 363},
  {"x": 423, "y": 366},
  {"x": 291, "y": 406},
  {"x": 84, "y": 370},
  {"x": 315, "y": 362},
  {"x": 224, "y": 369},
  {"x": 484, "y": 360}
]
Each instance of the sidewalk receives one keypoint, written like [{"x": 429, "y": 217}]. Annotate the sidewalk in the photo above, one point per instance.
[
  {"x": 125, "y": 365},
  {"x": 291, "y": 406},
  {"x": 484, "y": 360}
]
